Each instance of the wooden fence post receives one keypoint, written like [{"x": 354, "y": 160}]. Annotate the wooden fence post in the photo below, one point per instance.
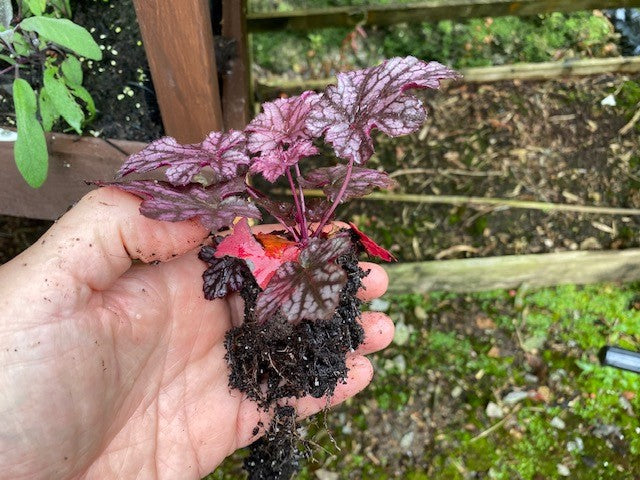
[
  {"x": 236, "y": 87},
  {"x": 178, "y": 39}
]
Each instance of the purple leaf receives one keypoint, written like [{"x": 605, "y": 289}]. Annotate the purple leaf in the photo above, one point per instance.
[
  {"x": 280, "y": 134},
  {"x": 373, "y": 98},
  {"x": 282, "y": 122},
  {"x": 222, "y": 152},
  {"x": 163, "y": 201},
  {"x": 283, "y": 211},
  {"x": 362, "y": 181},
  {"x": 224, "y": 276},
  {"x": 309, "y": 288},
  {"x": 274, "y": 163}
]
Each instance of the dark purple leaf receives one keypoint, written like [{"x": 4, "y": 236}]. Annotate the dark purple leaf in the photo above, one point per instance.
[
  {"x": 274, "y": 163},
  {"x": 362, "y": 181},
  {"x": 222, "y": 152},
  {"x": 283, "y": 211},
  {"x": 373, "y": 98},
  {"x": 224, "y": 276},
  {"x": 309, "y": 288},
  {"x": 163, "y": 201},
  {"x": 316, "y": 208},
  {"x": 281, "y": 123}
]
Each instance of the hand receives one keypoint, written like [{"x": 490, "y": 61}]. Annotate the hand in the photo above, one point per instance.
[{"x": 110, "y": 368}]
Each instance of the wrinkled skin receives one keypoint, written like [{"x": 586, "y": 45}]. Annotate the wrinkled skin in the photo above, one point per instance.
[{"x": 115, "y": 369}]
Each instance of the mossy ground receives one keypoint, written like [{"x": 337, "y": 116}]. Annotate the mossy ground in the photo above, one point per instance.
[{"x": 425, "y": 414}]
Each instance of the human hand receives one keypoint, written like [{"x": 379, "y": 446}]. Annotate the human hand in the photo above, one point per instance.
[{"x": 111, "y": 368}]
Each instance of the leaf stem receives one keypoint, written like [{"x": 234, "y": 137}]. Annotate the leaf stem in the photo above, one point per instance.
[
  {"x": 303, "y": 207},
  {"x": 336, "y": 201},
  {"x": 257, "y": 195},
  {"x": 300, "y": 213}
]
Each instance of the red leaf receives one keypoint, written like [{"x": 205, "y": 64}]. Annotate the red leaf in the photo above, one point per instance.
[
  {"x": 242, "y": 244},
  {"x": 371, "y": 247},
  {"x": 309, "y": 288},
  {"x": 373, "y": 98}
]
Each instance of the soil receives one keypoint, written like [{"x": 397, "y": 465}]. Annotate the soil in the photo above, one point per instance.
[
  {"x": 276, "y": 361},
  {"x": 547, "y": 141}
]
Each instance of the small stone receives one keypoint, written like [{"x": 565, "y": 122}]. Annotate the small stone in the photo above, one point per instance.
[
  {"x": 529, "y": 378},
  {"x": 407, "y": 440},
  {"x": 575, "y": 445},
  {"x": 420, "y": 313},
  {"x": 485, "y": 323},
  {"x": 557, "y": 422},
  {"x": 379, "y": 305},
  {"x": 494, "y": 352},
  {"x": 563, "y": 470},
  {"x": 457, "y": 391},
  {"x": 494, "y": 411},
  {"x": 400, "y": 363},
  {"x": 609, "y": 101},
  {"x": 512, "y": 398},
  {"x": 402, "y": 334},
  {"x": 590, "y": 243},
  {"x": 323, "y": 474}
]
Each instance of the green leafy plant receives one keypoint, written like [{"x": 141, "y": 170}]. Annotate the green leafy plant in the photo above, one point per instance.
[{"x": 43, "y": 51}]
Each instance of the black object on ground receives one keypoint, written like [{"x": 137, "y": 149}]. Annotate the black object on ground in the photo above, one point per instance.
[{"x": 620, "y": 358}]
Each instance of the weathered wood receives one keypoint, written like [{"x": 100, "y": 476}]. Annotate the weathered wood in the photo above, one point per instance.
[
  {"x": 236, "y": 83},
  {"x": 72, "y": 160},
  {"x": 178, "y": 39},
  {"x": 521, "y": 71},
  {"x": 498, "y": 202},
  {"x": 478, "y": 274},
  {"x": 433, "y": 10}
]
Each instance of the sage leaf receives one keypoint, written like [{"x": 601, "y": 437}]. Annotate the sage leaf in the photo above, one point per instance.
[
  {"x": 30, "y": 149},
  {"x": 37, "y": 7},
  {"x": 6, "y": 12},
  {"x": 63, "y": 100},
  {"x": 48, "y": 112},
  {"x": 85, "y": 96},
  {"x": 72, "y": 71},
  {"x": 65, "y": 33}
]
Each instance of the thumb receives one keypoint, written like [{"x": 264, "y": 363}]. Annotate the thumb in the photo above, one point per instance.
[{"x": 98, "y": 238}]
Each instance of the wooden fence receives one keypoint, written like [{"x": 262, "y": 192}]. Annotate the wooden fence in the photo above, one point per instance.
[{"x": 182, "y": 62}]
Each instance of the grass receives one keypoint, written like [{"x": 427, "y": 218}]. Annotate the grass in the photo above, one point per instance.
[{"x": 454, "y": 354}]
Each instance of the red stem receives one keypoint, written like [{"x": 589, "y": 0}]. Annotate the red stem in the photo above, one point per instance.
[
  {"x": 300, "y": 213},
  {"x": 303, "y": 207},
  {"x": 328, "y": 213},
  {"x": 256, "y": 194}
]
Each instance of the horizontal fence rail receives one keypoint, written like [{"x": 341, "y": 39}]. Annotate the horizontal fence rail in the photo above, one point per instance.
[
  {"x": 512, "y": 271},
  {"x": 273, "y": 87},
  {"x": 433, "y": 10}
]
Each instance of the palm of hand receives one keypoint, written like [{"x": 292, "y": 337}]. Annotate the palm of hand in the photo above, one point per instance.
[{"x": 120, "y": 370}]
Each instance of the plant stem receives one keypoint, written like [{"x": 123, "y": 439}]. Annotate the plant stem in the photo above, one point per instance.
[
  {"x": 303, "y": 207},
  {"x": 300, "y": 214},
  {"x": 257, "y": 195},
  {"x": 328, "y": 213}
]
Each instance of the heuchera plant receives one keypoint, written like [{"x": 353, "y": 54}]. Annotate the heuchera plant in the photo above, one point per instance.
[{"x": 306, "y": 273}]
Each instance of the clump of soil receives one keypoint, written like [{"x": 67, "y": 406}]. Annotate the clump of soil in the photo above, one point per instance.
[{"x": 277, "y": 361}]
